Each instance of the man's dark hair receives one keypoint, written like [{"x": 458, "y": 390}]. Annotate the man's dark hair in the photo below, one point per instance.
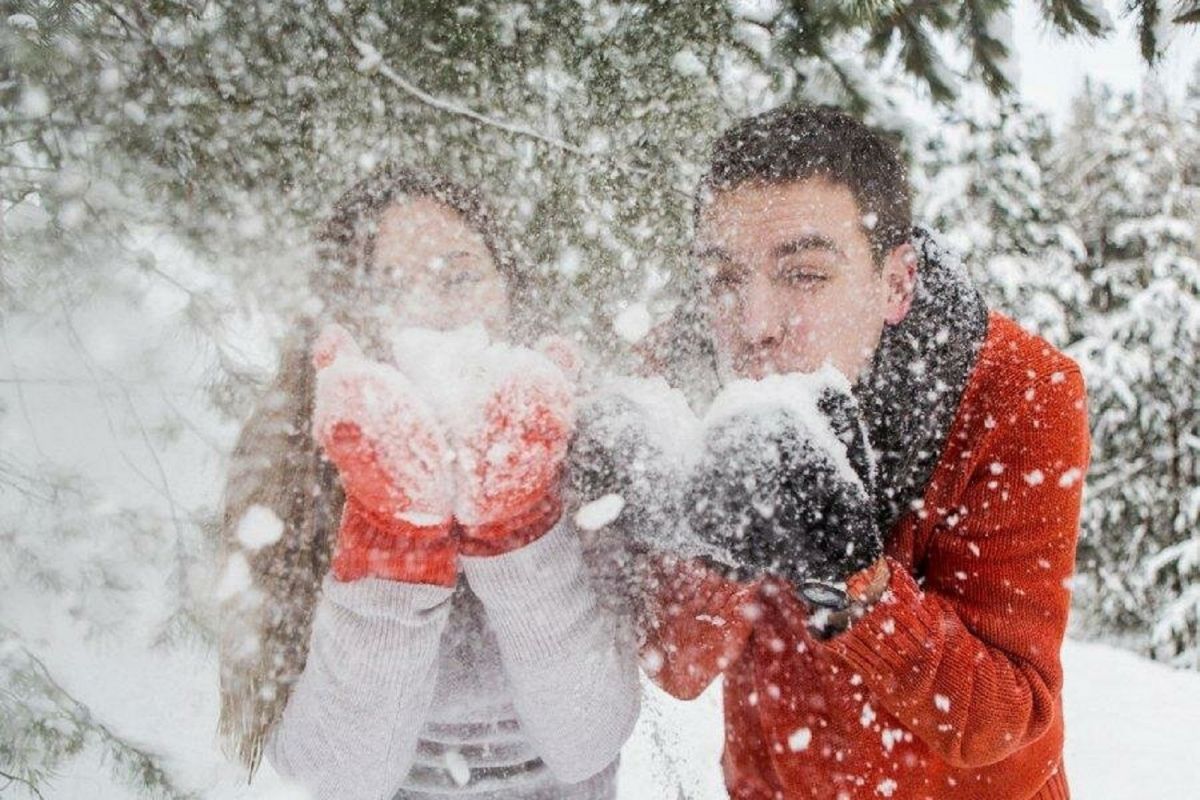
[{"x": 797, "y": 142}]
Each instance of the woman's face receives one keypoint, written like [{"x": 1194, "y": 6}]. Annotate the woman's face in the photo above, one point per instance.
[{"x": 436, "y": 270}]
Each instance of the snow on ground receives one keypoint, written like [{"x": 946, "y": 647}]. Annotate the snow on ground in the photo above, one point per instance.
[
  {"x": 1133, "y": 725},
  {"x": 1131, "y": 730}
]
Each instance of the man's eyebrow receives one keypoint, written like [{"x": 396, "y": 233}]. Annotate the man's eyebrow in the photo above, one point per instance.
[
  {"x": 456, "y": 254},
  {"x": 711, "y": 252},
  {"x": 812, "y": 241}
]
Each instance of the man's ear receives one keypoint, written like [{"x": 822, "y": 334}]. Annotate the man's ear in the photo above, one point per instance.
[{"x": 900, "y": 277}]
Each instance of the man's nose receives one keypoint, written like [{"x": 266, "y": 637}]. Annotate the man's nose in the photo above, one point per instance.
[{"x": 763, "y": 314}]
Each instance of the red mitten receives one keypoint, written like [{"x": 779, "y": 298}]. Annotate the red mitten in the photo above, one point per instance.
[
  {"x": 392, "y": 458},
  {"x": 510, "y": 460}
]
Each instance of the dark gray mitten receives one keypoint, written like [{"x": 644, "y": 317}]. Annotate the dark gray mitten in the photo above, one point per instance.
[
  {"x": 784, "y": 495},
  {"x": 629, "y": 441}
]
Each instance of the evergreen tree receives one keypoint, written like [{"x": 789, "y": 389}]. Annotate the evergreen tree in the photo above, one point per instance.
[
  {"x": 586, "y": 119},
  {"x": 44, "y": 725},
  {"x": 1174, "y": 572},
  {"x": 989, "y": 187},
  {"x": 1142, "y": 359}
]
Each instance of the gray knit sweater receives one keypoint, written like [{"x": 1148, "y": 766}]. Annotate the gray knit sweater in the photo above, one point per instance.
[{"x": 516, "y": 684}]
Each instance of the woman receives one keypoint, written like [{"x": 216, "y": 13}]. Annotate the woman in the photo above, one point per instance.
[{"x": 455, "y": 645}]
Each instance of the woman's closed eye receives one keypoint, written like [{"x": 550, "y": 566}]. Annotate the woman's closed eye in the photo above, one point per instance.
[{"x": 461, "y": 277}]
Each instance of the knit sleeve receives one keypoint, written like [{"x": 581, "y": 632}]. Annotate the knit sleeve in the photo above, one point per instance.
[
  {"x": 697, "y": 626},
  {"x": 570, "y": 662},
  {"x": 970, "y": 660},
  {"x": 350, "y": 726}
]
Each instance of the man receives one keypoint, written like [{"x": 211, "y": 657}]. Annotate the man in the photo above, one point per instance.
[{"x": 937, "y": 674}]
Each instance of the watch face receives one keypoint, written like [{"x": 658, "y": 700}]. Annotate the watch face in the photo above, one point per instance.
[{"x": 823, "y": 595}]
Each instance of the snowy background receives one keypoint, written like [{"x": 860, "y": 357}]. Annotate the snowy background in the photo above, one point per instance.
[{"x": 159, "y": 164}]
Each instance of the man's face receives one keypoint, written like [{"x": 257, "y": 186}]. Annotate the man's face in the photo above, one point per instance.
[{"x": 791, "y": 281}]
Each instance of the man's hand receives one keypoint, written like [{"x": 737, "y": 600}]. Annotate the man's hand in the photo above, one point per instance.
[
  {"x": 775, "y": 494},
  {"x": 867, "y": 586},
  {"x": 630, "y": 441},
  {"x": 863, "y": 590}
]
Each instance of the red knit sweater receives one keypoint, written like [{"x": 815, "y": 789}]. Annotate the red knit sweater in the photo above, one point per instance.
[{"x": 950, "y": 686}]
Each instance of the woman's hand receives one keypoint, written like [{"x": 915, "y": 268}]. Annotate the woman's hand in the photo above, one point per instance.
[
  {"x": 509, "y": 466},
  {"x": 392, "y": 458}
]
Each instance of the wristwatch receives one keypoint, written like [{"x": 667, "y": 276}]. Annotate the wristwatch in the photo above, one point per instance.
[
  {"x": 820, "y": 594},
  {"x": 834, "y": 606}
]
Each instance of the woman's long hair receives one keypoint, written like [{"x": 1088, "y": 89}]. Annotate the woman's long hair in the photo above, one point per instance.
[{"x": 277, "y": 465}]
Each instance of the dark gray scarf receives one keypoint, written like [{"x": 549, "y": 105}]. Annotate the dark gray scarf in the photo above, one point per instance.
[{"x": 912, "y": 388}]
